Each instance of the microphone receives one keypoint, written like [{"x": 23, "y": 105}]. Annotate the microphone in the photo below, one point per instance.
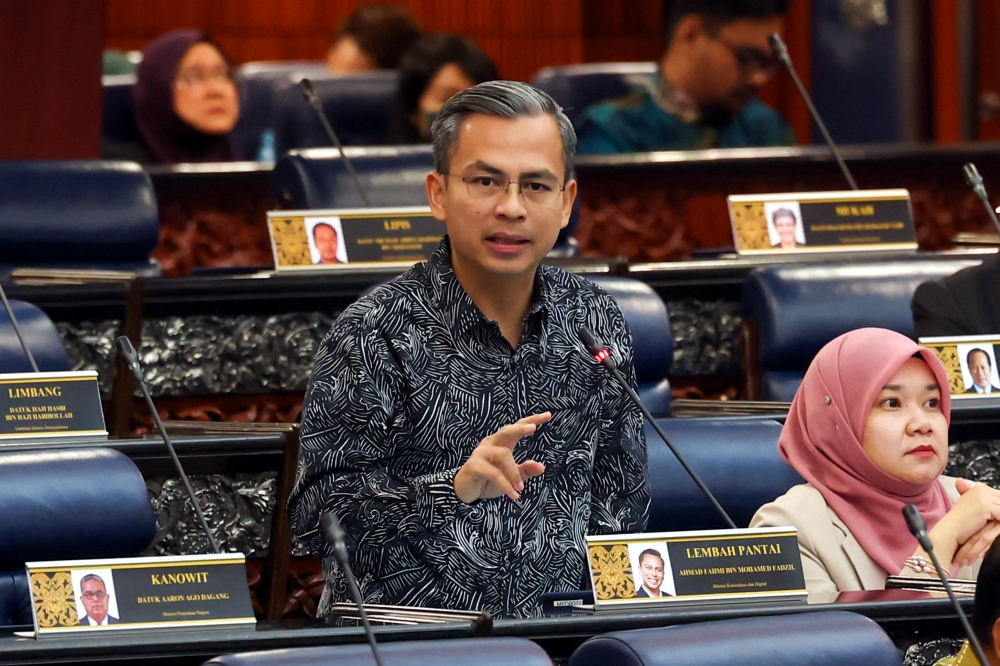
[
  {"x": 334, "y": 535},
  {"x": 975, "y": 181},
  {"x": 131, "y": 359},
  {"x": 306, "y": 86},
  {"x": 918, "y": 528},
  {"x": 781, "y": 52},
  {"x": 602, "y": 355},
  {"x": 17, "y": 330}
]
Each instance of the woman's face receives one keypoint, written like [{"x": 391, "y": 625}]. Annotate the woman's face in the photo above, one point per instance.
[
  {"x": 906, "y": 434},
  {"x": 448, "y": 80},
  {"x": 204, "y": 92},
  {"x": 785, "y": 226}
]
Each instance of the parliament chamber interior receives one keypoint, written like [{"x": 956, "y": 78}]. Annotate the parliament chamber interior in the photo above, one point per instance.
[{"x": 157, "y": 155}]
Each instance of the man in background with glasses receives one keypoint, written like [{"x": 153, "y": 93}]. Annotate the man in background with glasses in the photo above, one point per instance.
[
  {"x": 717, "y": 59},
  {"x": 453, "y": 421}
]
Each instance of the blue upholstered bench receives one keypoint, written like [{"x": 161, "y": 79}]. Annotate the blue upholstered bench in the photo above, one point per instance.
[
  {"x": 738, "y": 460},
  {"x": 66, "y": 504},
  {"x": 823, "y": 638},
  {"x": 39, "y": 334},
  {"x": 478, "y": 651},
  {"x": 794, "y": 310},
  {"x": 85, "y": 214},
  {"x": 652, "y": 340}
]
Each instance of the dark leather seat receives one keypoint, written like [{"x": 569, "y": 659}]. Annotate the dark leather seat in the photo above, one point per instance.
[
  {"x": 738, "y": 460},
  {"x": 258, "y": 84},
  {"x": 117, "y": 119},
  {"x": 317, "y": 178},
  {"x": 576, "y": 87},
  {"x": 824, "y": 638},
  {"x": 652, "y": 340},
  {"x": 39, "y": 334},
  {"x": 360, "y": 109},
  {"x": 66, "y": 504},
  {"x": 797, "y": 309},
  {"x": 479, "y": 651},
  {"x": 86, "y": 214}
]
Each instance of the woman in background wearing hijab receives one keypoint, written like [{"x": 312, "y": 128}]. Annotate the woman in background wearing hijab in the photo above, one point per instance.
[
  {"x": 184, "y": 101},
  {"x": 868, "y": 430},
  {"x": 435, "y": 68}
]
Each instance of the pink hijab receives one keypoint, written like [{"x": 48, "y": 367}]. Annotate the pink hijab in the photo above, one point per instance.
[{"x": 822, "y": 439}]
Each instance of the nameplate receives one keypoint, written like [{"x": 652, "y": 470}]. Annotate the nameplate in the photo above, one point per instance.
[
  {"x": 335, "y": 239},
  {"x": 50, "y": 404},
  {"x": 707, "y": 567},
  {"x": 139, "y": 593},
  {"x": 971, "y": 364},
  {"x": 822, "y": 222}
]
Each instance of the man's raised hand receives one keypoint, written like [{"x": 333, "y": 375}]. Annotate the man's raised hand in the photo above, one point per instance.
[{"x": 491, "y": 470}]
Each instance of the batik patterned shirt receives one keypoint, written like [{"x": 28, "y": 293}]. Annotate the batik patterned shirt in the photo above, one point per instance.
[{"x": 407, "y": 383}]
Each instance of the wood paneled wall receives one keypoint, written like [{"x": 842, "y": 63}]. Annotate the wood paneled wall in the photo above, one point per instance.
[
  {"x": 50, "y": 75},
  {"x": 522, "y": 36}
]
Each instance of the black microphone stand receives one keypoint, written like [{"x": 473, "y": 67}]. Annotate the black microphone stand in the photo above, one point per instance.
[
  {"x": 918, "y": 528},
  {"x": 305, "y": 85},
  {"x": 975, "y": 181},
  {"x": 781, "y": 52},
  {"x": 596, "y": 348},
  {"x": 132, "y": 360},
  {"x": 17, "y": 330},
  {"x": 334, "y": 535}
]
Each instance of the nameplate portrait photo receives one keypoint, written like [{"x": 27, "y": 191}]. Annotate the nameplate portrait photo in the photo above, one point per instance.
[
  {"x": 971, "y": 363},
  {"x": 708, "y": 567},
  {"x": 809, "y": 222},
  {"x": 139, "y": 593},
  {"x": 50, "y": 404},
  {"x": 337, "y": 239}
]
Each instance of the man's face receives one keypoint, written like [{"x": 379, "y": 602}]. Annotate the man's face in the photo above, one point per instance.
[
  {"x": 651, "y": 567},
  {"x": 980, "y": 369},
  {"x": 502, "y": 234},
  {"x": 326, "y": 241},
  {"x": 95, "y": 599},
  {"x": 733, "y": 63}
]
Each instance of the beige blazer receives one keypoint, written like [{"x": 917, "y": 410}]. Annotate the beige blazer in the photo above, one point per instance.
[{"x": 832, "y": 559}]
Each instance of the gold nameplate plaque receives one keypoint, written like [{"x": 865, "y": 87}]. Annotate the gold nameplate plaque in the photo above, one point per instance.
[
  {"x": 971, "y": 363},
  {"x": 334, "y": 239},
  {"x": 822, "y": 222},
  {"x": 708, "y": 567},
  {"x": 50, "y": 404},
  {"x": 139, "y": 593}
]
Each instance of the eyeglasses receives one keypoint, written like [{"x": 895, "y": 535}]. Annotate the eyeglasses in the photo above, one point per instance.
[
  {"x": 99, "y": 595},
  {"x": 199, "y": 77},
  {"x": 753, "y": 59},
  {"x": 492, "y": 187}
]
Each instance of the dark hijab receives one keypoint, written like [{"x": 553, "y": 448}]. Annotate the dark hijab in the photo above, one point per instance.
[{"x": 166, "y": 136}]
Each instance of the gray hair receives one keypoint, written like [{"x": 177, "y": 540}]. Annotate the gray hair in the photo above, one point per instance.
[
  {"x": 90, "y": 577},
  {"x": 501, "y": 99}
]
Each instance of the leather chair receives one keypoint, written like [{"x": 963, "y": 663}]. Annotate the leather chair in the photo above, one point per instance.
[
  {"x": 796, "y": 309},
  {"x": 822, "y": 638},
  {"x": 117, "y": 119},
  {"x": 738, "y": 460},
  {"x": 317, "y": 178},
  {"x": 360, "y": 109},
  {"x": 576, "y": 87},
  {"x": 258, "y": 84},
  {"x": 39, "y": 334},
  {"x": 652, "y": 340},
  {"x": 66, "y": 504},
  {"x": 479, "y": 651},
  {"x": 86, "y": 214}
]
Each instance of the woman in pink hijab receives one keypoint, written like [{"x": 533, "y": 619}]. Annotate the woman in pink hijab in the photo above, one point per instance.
[{"x": 868, "y": 431}]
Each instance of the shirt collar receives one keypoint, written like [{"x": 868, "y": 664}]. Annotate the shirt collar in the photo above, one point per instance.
[
  {"x": 676, "y": 102},
  {"x": 459, "y": 311}
]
